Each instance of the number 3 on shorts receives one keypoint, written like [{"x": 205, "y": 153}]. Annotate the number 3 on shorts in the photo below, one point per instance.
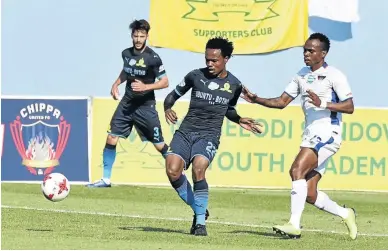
[{"x": 156, "y": 133}]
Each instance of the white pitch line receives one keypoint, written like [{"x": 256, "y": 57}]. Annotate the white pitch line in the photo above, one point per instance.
[{"x": 176, "y": 219}]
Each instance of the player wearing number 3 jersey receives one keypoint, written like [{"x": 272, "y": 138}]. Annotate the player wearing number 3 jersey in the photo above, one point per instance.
[
  {"x": 325, "y": 94},
  {"x": 143, "y": 72}
]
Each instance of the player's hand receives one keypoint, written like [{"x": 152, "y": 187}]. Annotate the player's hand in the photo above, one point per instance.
[
  {"x": 138, "y": 86},
  {"x": 171, "y": 117},
  {"x": 115, "y": 92},
  {"x": 314, "y": 99},
  {"x": 251, "y": 125},
  {"x": 247, "y": 95}
]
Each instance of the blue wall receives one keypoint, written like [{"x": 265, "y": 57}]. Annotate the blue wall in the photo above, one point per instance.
[{"x": 73, "y": 47}]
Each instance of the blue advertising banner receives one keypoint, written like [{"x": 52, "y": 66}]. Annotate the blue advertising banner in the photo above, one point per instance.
[{"x": 42, "y": 136}]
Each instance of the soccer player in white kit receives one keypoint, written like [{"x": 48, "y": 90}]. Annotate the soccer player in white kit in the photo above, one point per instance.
[{"x": 325, "y": 94}]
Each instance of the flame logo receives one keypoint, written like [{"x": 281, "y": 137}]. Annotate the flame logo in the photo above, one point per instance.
[
  {"x": 40, "y": 152},
  {"x": 40, "y": 148}
]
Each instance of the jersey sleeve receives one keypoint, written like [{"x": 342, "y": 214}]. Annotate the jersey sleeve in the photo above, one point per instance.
[
  {"x": 185, "y": 85},
  {"x": 123, "y": 70},
  {"x": 292, "y": 88},
  {"x": 158, "y": 67},
  {"x": 237, "y": 93},
  {"x": 341, "y": 87},
  {"x": 122, "y": 56}
]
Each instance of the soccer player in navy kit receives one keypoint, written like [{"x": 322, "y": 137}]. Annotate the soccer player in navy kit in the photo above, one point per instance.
[
  {"x": 142, "y": 67},
  {"x": 214, "y": 94}
]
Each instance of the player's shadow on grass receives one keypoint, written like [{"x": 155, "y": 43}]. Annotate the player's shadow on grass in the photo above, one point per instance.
[
  {"x": 267, "y": 234},
  {"x": 39, "y": 230},
  {"x": 154, "y": 229}
]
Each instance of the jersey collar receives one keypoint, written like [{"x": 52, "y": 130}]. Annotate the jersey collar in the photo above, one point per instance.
[{"x": 324, "y": 66}]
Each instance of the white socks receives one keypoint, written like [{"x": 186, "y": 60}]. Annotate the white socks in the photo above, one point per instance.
[
  {"x": 325, "y": 203},
  {"x": 298, "y": 199}
]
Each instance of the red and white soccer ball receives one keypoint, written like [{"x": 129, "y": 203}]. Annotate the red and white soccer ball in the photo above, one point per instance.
[{"x": 55, "y": 187}]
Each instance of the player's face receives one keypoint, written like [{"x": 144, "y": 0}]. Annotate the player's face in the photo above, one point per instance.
[
  {"x": 139, "y": 38},
  {"x": 312, "y": 52},
  {"x": 215, "y": 62}
]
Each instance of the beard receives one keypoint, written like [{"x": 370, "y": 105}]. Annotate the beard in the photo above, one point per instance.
[{"x": 141, "y": 48}]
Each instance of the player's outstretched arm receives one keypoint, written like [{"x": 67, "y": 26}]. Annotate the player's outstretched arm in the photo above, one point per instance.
[
  {"x": 160, "y": 84},
  {"x": 139, "y": 86},
  {"x": 344, "y": 93},
  {"x": 170, "y": 100},
  {"x": 185, "y": 85},
  {"x": 248, "y": 124},
  {"x": 122, "y": 78},
  {"x": 168, "y": 103},
  {"x": 345, "y": 106},
  {"x": 232, "y": 115},
  {"x": 251, "y": 125},
  {"x": 278, "y": 103},
  {"x": 115, "y": 87}
]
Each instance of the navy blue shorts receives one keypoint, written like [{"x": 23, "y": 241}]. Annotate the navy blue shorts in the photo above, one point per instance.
[
  {"x": 187, "y": 145},
  {"x": 144, "y": 117}
]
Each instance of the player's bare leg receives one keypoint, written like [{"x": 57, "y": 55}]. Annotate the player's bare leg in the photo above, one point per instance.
[
  {"x": 305, "y": 162},
  {"x": 174, "y": 167},
  {"x": 109, "y": 156},
  {"x": 322, "y": 201}
]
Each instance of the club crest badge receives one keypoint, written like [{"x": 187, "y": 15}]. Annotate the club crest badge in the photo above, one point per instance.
[{"x": 40, "y": 133}]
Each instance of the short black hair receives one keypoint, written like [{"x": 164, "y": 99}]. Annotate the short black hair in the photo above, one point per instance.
[
  {"x": 325, "y": 42},
  {"x": 140, "y": 25},
  {"x": 223, "y": 44}
]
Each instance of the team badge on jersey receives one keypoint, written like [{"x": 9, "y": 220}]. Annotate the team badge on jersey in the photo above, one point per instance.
[
  {"x": 226, "y": 88},
  {"x": 310, "y": 79},
  {"x": 40, "y": 134},
  {"x": 140, "y": 63},
  {"x": 321, "y": 78}
]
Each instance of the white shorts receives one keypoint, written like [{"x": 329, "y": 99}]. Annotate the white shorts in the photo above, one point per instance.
[{"x": 325, "y": 140}]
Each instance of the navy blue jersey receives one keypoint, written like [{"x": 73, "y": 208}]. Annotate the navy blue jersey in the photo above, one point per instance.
[
  {"x": 146, "y": 67},
  {"x": 210, "y": 99}
]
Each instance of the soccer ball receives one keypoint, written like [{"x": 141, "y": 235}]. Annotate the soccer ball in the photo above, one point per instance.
[{"x": 55, "y": 187}]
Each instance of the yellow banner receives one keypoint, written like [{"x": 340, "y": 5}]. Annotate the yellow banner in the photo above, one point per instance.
[
  {"x": 255, "y": 26},
  {"x": 247, "y": 160}
]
